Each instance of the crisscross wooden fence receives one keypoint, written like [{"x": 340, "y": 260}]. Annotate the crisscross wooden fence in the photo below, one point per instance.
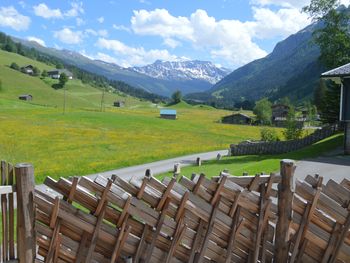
[
  {"x": 17, "y": 213},
  {"x": 223, "y": 219}
]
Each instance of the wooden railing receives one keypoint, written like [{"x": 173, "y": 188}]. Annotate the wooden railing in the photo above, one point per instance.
[{"x": 17, "y": 213}]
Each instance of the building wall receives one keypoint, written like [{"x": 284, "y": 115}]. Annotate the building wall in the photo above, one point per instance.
[
  {"x": 169, "y": 117},
  {"x": 235, "y": 119}
]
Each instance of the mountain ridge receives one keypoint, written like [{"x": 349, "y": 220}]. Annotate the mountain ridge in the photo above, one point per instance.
[
  {"x": 292, "y": 69},
  {"x": 160, "y": 86}
]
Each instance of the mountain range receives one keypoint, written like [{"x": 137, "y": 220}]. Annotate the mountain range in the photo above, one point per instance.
[
  {"x": 162, "y": 78},
  {"x": 292, "y": 69}
]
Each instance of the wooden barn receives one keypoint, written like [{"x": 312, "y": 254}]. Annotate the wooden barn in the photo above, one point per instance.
[
  {"x": 26, "y": 97},
  {"x": 119, "y": 104},
  {"x": 28, "y": 69},
  {"x": 168, "y": 114},
  {"x": 237, "y": 118}
]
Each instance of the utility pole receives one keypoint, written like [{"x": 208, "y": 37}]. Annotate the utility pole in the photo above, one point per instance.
[{"x": 102, "y": 99}]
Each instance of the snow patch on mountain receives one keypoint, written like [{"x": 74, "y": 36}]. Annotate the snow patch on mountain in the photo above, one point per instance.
[{"x": 184, "y": 70}]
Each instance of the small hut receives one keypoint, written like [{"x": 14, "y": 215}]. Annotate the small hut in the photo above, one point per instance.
[
  {"x": 168, "y": 114},
  {"x": 26, "y": 97},
  {"x": 28, "y": 69},
  {"x": 237, "y": 118},
  {"x": 119, "y": 104}
]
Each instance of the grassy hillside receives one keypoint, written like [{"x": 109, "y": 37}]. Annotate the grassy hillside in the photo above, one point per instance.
[
  {"x": 85, "y": 140},
  {"x": 79, "y": 95}
]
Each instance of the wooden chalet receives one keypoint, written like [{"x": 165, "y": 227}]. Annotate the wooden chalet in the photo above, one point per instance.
[
  {"x": 341, "y": 75},
  {"x": 237, "y": 118}
]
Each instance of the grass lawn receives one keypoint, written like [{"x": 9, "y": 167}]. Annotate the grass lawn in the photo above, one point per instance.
[{"x": 256, "y": 164}]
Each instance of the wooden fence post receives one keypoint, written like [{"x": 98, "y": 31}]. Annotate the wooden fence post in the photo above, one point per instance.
[
  {"x": 26, "y": 236},
  {"x": 285, "y": 199}
]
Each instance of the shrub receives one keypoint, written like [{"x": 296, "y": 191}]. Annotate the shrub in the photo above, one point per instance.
[
  {"x": 292, "y": 131},
  {"x": 14, "y": 66},
  {"x": 268, "y": 135}
]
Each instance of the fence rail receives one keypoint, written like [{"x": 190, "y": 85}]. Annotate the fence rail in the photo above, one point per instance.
[{"x": 278, "y": 147}]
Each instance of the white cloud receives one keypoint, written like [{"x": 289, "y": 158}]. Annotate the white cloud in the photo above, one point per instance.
[
  {"x": 101, "y": 19},
  {"x": 101, "y": 32},
  {"x": 129, "y": 56},
  {"x": 79, "y": 21},
  {"x": 22, "y": 4},
  {"x": 37, "y": 40},
  {"x": 77, "y": 9},
  {"x": 9, "y": 17},
  {"x": 106, "y": 58},
  {"x": 44, "y": 11},
  {"x": 121, "y": 28},
  {"x": 68, "y": 36},
  {"x": 282, "y": 23},
  {"x": 231, "y": 41},
  {"x": 171, "y": 42},
  {"x": 283, "y": 3},
  {"x": 289, "y": 3}
]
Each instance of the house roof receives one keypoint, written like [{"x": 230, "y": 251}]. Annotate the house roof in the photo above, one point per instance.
[
  {"x": 60, "y": 71},
  {"x": 240, "y": 114},
  {"x": 25, "y": 95},
  {"x": 168, "y": 112},
  {"x": 341, "y": 71}
]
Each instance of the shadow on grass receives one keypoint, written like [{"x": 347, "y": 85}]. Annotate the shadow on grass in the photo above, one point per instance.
[{"x": 56, "y": 86}]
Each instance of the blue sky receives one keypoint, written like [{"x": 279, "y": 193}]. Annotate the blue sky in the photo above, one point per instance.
[{"x": 230, "y": 33}]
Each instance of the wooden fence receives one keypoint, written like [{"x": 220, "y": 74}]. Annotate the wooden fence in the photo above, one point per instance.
[
  {"x": 278, "y": 147},
  {"x": 17, "y": 213},
  {"x": 223, "y": 219}
]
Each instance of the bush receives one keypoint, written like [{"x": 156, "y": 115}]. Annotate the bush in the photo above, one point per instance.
[
  {"x": 268, "y": 135},
  {"x": 14, "y": 66},
  {"x": 0, "y": 85},
  {"x": 292, "y": 131},
  {"x": 36, "y": 71}
]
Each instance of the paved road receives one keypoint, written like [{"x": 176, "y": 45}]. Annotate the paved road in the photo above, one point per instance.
[
  {"x": 330, "y": 167},
  {"x": 335, "y": 166},
  {"x": 158, "y": 167}
]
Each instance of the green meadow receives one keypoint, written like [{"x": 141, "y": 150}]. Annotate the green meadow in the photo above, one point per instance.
[
  {"x": 253, "y": 164},
  {"x": 86, "y": 140}
]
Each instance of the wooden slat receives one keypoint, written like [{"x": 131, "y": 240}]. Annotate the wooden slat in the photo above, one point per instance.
[
  {"x": 210, "y": 226},
  {"x": 299, "y": 235},
  {"x": 141, "y": 244},
  {"x": 340, "y": 240},
  {"x": 157, "y": 230},
  {"x": 93, "y": 242},
  {"x": 230, "y": 244},
  {"x": 11, "y": 214},
  {"x": 4, "y": 214}
]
